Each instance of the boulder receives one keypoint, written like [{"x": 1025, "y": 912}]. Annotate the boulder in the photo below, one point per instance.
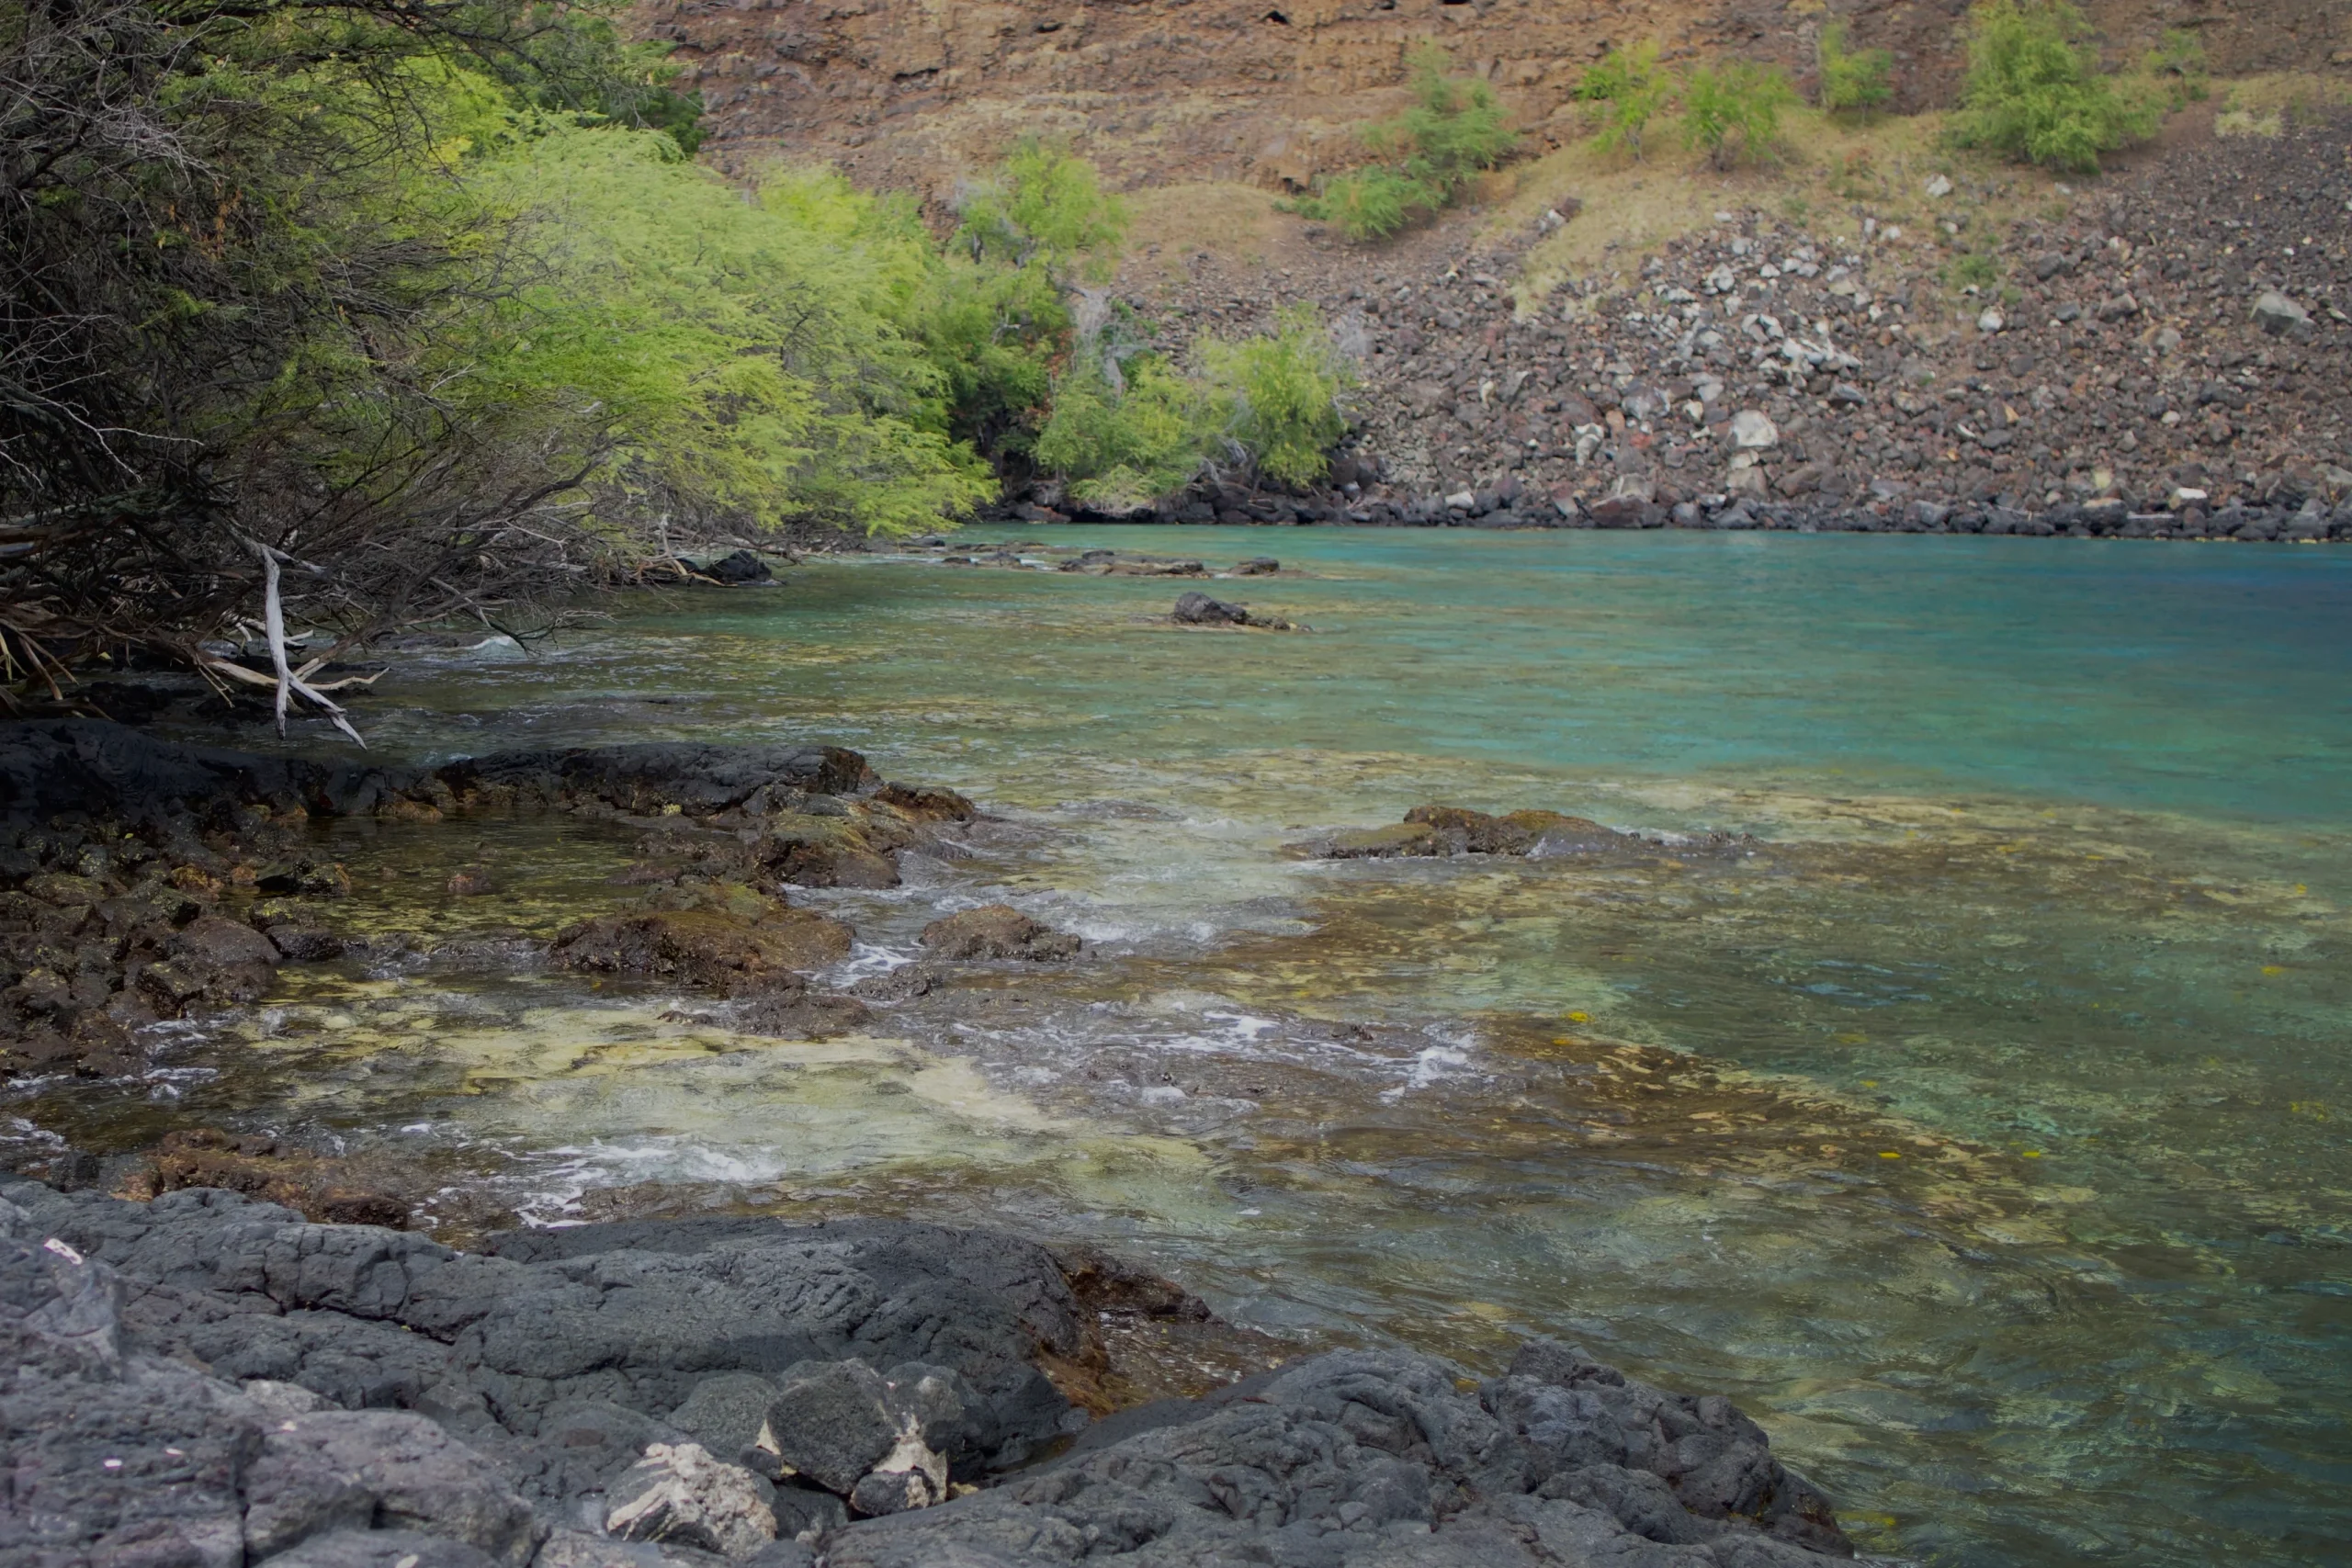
[
  {"x": 1753, "y": 431},
  {"x": 728, "y": 1414},
  {"x": 1258, "y": 566},
  {"x": 832, "y": 1422},
  {"x": 1197, "y": 609},
  {"x": 678, "y": 1495},
  {"x": 996, "y": 930},
  {"x": 2279, "y": 316},
  {"x": 739, "y": 567}
]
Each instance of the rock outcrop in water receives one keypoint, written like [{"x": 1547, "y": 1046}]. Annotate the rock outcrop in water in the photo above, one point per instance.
[
  {"x": 1438, "y": 831},
  {"x": 204, "y": 1381},
  {"x": 142, "y": 879}
]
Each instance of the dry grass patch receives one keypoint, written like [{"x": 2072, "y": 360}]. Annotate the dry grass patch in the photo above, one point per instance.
[{"x": 1230, "y": 221}]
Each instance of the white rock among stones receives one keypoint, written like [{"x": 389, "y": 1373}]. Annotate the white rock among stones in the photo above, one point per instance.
[
  {"x": 2277, "y": 314},
  {"x": 679, "y": 1494},
  {"x": 1752, "y": 431},
  {"x": 1939, "y": 186},
  {"x": 1989, "y": 321}
]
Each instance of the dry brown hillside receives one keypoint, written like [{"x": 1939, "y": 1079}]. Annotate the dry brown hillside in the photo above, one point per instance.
[{"x": 913, "y": 94}]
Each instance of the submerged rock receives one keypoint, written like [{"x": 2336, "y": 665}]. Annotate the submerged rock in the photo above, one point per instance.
[
  {"x": 1197, "y": 609},
  {"x": 721, "y": 935},
  {"x": 996, "y": 930},
  {"x": 256, "y": 1166},
  {"x": 1431, "y": 831},
  {"x": 124, "y": 859}
]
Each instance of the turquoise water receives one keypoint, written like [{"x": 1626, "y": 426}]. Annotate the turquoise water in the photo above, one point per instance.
[{"x": 1983, "y": 1127}]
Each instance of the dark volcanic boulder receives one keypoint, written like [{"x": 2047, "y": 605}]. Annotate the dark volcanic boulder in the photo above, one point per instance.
[
  {"x": 739, "y": 568},
  {"x": 1197, "y": 609},
  {"x": 549, "y": 1377},
  {"x": 1384, "y": 1460}
]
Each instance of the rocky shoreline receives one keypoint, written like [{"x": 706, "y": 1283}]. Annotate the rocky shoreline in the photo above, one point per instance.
[
  {"x": 208, "y": 1382},
  {"x": 239, "y": 1357}
]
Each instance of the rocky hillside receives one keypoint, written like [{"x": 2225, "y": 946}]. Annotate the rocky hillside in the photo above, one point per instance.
[{"x": 915, "y": 96}]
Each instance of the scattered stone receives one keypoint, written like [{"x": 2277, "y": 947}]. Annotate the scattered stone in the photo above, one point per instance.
[
  {"x": 1990, "y": 321},
  {"x": 1939, "y": 186},
  {"x": 1258, "y": 566},
  {"x": 1753, "y": 431}
]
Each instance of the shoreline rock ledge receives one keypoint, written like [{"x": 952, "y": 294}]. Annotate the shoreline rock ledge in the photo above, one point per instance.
[{"x": 208, "y": 1382}]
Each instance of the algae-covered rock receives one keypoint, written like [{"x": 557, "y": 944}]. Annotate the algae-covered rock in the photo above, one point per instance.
[
  {"x": 824, "y": 851},
  {"x": 996, "y": 930},
  {"x": 1373, "y": 843},
  {"x": 724, "y": 935}
]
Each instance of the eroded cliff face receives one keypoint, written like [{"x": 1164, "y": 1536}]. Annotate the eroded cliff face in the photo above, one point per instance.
[{"x": 914, "y": 94}]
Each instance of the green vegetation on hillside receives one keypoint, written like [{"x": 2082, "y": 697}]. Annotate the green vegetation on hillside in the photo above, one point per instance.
[
  {"x": 1853, "y": 81},
  {"x": 1455, "y": 129},
  {"x": 1626, "y": 90},
  {"x": 2035, "y": 91},
  {"x": 1729, "y": 111}
]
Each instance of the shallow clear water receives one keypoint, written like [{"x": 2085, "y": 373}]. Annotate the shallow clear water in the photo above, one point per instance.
[{"x": 1983, "y": 1127}]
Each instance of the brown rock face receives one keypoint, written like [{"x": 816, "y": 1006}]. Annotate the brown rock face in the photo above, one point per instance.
[
  {"x": 996, "y": 930},
  {"x": 723, "y": 936},
  {"x": 1168, "y": 90}
]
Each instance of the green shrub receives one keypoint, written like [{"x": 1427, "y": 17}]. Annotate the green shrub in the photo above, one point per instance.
[
  {"x": 1282, "y": 395},
  {"x": 1371, "y": 203},
  {"x": 1454, "y": 128},
  {"x": 2035, "y": 91},
  {"x": 2177, "y": 68},
  {"x": 1124, "y": 436},
  {"x": 1043, "y": 205},
  {"x": 1627, "y": 89},
  {"x": 1852, "y": 80},
  {"x": 1971, "y": 269},
  {"x": 1732, "y": 112}
]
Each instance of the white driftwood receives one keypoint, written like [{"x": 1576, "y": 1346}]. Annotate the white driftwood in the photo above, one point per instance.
[{"x": 288, "y": 680}]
